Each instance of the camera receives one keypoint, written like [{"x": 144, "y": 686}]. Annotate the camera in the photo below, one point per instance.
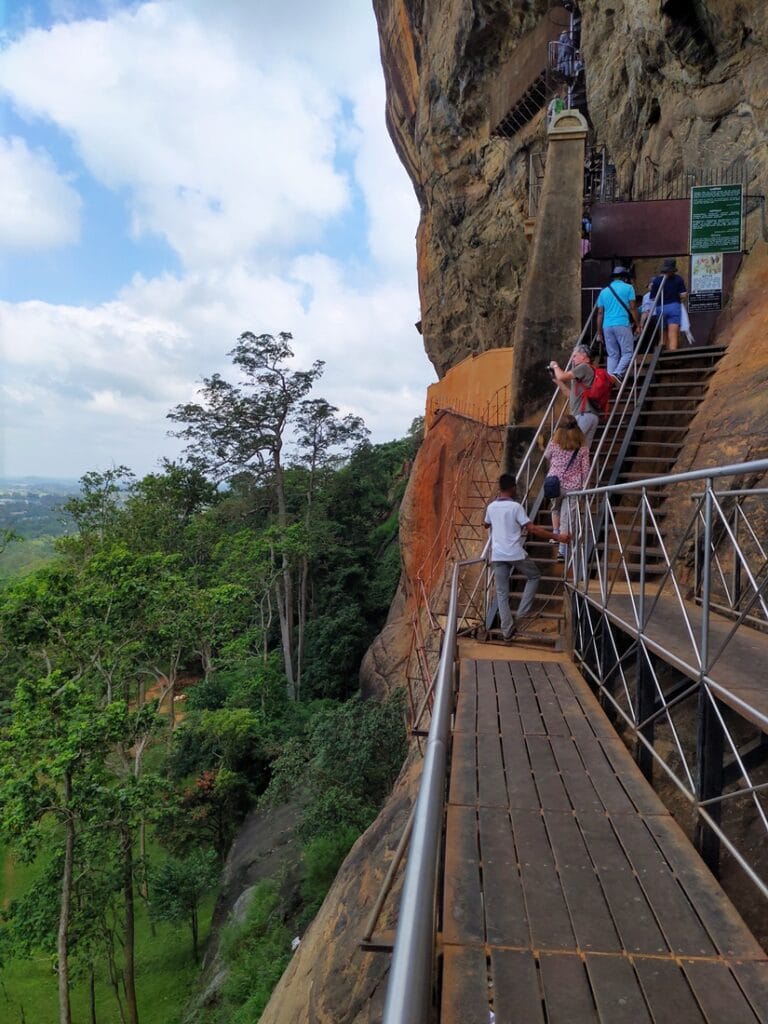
[{"x": 550, "y": 371}]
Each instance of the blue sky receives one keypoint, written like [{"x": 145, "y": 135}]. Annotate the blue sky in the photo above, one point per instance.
[{"x": 175, "y": 173}]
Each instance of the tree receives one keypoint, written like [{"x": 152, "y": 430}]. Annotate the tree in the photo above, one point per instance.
[
  {"x": 323, "y": 440},
  {"x": 178, "y": 885},
  {"x": 53, "y": 765},
  {"x": 97, "y": 508},
  {"x": 239, "y": 428}
]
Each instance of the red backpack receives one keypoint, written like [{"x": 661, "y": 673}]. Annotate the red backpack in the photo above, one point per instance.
[{"x": 598, "y": 393}]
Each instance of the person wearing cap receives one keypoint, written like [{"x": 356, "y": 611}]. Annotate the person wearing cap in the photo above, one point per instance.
[
  {"x": 673, "y": 291},
  {"x": 573, "y": 383},
  {"x": 617, "y": 320}
]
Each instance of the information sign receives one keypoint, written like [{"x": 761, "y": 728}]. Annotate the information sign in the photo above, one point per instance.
[
  {"x": 716, "y": 218},
  {"x": 706, "y": 282}
]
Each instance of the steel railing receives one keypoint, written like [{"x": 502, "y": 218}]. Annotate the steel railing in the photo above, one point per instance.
[
  {"x": 643, "y": 599},
  {"x": 408, "y": 997}
]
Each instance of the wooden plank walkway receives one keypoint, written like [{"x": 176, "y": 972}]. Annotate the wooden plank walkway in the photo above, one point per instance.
[
  {"x": 733, "y": 671},
  {"x": 570, "y": 895}
]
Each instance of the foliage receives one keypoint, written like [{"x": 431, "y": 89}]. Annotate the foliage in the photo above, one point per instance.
[
  {"x": 323, "y": 856},
  {"x": 347, "y": 764},
  {"x": 256, "y": 952},
  {"x": 179, "y": 885},
  {"x": 242, "y": 587}
]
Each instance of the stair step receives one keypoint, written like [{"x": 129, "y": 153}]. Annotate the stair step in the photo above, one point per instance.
[
  {"x": 667, "y": 412},
  {"x": 666, "y": 371},
  {"x": 694, "y": 352},
  {"x": 622, "y": 509},
  {"x": 670, "y": 459},
  {"x": 678, "y": 384},
  {"x": 658, "y": 426},
  {"x": 658, "y": 444}
]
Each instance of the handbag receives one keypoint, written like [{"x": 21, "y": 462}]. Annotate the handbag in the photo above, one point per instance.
[
  {"x": 552, "y": 486},
  {"x": 552, "y": 482}
]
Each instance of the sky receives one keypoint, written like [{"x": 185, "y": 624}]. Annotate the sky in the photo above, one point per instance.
[{"x": 174, "y": 173}]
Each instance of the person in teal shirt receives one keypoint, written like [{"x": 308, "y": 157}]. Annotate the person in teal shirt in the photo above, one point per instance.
[{"x": 617, "y": 321}]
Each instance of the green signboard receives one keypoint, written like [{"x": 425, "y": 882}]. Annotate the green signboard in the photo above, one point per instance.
[{"x": 716, "y": 218}]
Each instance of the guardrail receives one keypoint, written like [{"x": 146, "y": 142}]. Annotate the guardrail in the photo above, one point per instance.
[
  {"x": 409, "y": 987},
  {"x": 641, "y": 603}
]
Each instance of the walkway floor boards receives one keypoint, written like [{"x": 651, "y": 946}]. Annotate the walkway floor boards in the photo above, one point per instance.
[{"x": 570, "y": 894}]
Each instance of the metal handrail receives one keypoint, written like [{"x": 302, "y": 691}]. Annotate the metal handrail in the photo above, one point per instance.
[
  {"x": 409, "y": 985},
  {"x": 524, "y": 478},
  {"x": 586, "y": 561},
  {"x": 713, "y": 472}
]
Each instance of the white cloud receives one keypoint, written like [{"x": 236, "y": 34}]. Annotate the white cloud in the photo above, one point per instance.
[
  {"x": 40, "y": 210},
  {"x": 239, "y": 132},
  {"x": 219, "y": 156},
  {"x": 105, "y": 377}
]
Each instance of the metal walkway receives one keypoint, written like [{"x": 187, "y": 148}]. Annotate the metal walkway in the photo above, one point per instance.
[{"x": 569, "y": 893}]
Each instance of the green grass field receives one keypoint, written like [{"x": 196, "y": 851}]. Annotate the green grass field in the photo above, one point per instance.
[{"x": 165, "y": 971}]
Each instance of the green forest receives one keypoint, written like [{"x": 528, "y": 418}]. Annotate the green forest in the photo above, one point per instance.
[{"x": 188, "y": 652}]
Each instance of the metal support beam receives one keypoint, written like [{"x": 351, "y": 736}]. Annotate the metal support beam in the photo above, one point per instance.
[
  {"x": 709, "y": 779},
  {"x": 645, "y": 704}
]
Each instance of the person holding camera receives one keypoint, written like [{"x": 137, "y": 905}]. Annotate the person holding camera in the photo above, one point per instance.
[{"x": 574, "y": 383}]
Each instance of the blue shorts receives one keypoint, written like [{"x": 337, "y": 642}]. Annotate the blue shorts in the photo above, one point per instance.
[{"x": 672, "y": 312}]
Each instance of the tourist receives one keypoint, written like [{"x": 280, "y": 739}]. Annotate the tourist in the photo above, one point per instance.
[
  {"x": 574, "y": 383},
  {"x": 617, "y": 321},
  {"x": 509, "y": 524},
  {"x": 673, "y": 291},
  {"x": 568, "y": 458}
]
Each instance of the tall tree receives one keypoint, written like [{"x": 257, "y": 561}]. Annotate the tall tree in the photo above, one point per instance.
[
  {"x": 53, "y": 765},
  {"x": 323, "y": 440},
  {"x": 241, "y": 427}
]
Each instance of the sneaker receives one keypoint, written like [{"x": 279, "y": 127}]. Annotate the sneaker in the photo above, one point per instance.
[
  {"x": 509, "y": 636},
  {"x": 616, "y": 381}
]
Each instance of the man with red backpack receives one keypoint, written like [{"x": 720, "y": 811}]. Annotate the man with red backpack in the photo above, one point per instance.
[{"x": 587, "y": 388}]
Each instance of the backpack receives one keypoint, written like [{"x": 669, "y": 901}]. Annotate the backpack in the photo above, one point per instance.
[{"x": 598, "y": 394}]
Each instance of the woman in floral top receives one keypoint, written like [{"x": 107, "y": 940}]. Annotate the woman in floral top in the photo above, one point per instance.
[{"x": 568, "y": 458}]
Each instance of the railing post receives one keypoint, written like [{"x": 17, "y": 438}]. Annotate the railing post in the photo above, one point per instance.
[
  {"x": 736, "y": 596},
  {"x": 604, "y": 584},
  {"x": 643, "y": 555},
  {"x": 706, "y": 568},
  {"x": 645, "y": 705},
  {"x": 709, "y": 769},
  {"x": 709, "y": 778}
]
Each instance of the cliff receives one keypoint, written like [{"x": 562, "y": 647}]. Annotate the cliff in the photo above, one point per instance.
[{"x": 669, "y": 85}]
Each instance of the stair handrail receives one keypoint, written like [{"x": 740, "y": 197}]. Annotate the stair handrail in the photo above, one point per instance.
[
  {"x": 524, "y": 478},
  {"x": 648, "y": 339}
]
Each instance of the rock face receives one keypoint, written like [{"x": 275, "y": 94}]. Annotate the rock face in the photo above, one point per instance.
[{"x": 670, "y": 85}]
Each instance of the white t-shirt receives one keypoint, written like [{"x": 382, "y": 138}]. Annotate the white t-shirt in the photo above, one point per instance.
[{"x": 507, "y": 519}]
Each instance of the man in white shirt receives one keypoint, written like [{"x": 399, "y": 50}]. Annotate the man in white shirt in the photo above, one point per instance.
[{"x": 509, "y": 524}]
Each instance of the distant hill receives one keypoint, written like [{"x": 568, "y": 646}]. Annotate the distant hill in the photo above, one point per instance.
[
  {"x": 45, "y": 484},
  {"x": 31, "y": 507}
]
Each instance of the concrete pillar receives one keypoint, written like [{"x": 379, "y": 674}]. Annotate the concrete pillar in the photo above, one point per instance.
[{"x": 549, "y": 315}]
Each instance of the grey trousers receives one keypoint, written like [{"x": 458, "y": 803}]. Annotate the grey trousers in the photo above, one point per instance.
[{"x": 501, "y": 574}]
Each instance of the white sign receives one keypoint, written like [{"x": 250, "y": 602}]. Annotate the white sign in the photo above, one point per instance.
[{"x": 707, "y": 272}]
